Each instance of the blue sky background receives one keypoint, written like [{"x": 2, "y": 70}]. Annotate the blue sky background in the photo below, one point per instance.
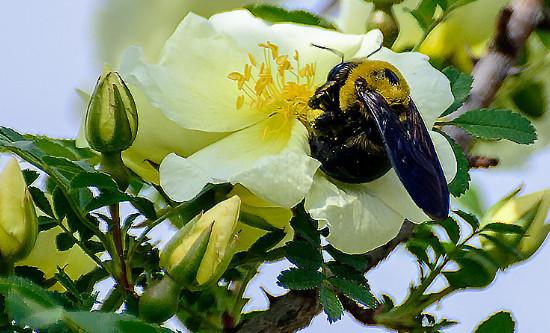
[{"x": 48, "y": 51}]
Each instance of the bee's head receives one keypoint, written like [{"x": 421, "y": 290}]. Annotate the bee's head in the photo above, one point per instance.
[{"x": 379, "y": 76}]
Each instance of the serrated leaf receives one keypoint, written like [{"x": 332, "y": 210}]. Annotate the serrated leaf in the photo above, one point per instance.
[
  {"x": 461, "y": 84},
  {"x": 305, "y": 227},
  {"x": 497, "y": 124},
  {"x": 471, "y": 219},
  {"x": 476, "y": 270},
  {"x": 64, "y": 241},
  {"x": 357, "y": 261},
  {"x": 275, "y": 14},
  {"x": 93, "y": 179},
  {"x": 331, "y": 304},
  {"x": 451, "y": 228},
  {"x": 461, "y": 181},
  {"x": 357, "y": 292},
  {"x": 500, "y": 322},
  {"x": 504, "y": 228},
  {"x": 40, "y": 200},
  {"x": 46, "y": 223},
  {"x": 145, "y": 207},
  {"x": 30, "y": 176},
  {"x": 346, "y": 272},
  {"x": 418, "y": 248},
  {"x": 106, "y": 199},
  {"x": 424, "y": 13},
  {"x": 303, "y": 255},
  {"x": 300, "y": 279}
]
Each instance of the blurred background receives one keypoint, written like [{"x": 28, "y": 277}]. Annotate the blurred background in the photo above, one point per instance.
[{"x": 49, "y": 49}]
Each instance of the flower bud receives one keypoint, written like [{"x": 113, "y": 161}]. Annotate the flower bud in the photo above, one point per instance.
[
  {"x": 529, "y": 212},
  {"x": 199, "y": 253},
  {"x": 111, "y": 119},
  {"x": 18, "y": 221},
  {"x": 159, "y": 302}
]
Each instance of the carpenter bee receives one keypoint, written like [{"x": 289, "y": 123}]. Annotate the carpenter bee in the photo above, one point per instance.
[{"x": 369, "y": 124}]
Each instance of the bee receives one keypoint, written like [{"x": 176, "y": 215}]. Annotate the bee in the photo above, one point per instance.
[{"x": 369, "y": 124}]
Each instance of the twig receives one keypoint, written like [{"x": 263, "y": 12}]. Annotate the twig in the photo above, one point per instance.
[
  {"x": 295, "y": 310},
  {"x": 515, "y": 24},
  {"x": 119, "y": 249}
]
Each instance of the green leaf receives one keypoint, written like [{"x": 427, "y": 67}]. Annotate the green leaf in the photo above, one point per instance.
[
  {"x": 145, "y": 207},
  {"x": 93, "y": 179},
  {"x": 424, "y": 13},
  {"x": 461, "y": 84},
  {"x": 267, "y": 242},
  {"x": 346, "y": 272},
  {"x": 476, "y": 270},
  {"x": 454, "y": 4},
  {"x": 331, "y": 304},
  {"x": 461, "y": 182},
  {"x": 275, "y": 14},
  {"x": 544, "y": 36},
  {"x": 418, "y": 248},
  {"x": 497, "y": 124},
  {"x": 451, "y": 228},
  {"x": 357, "y": 292},
  {"x": 471, "y": 219},
  {"x": 303, "y": 255},
  {"x": 41, "y": 201},
  {"x": 46, "y": 223},
  {"x": 504, "y": 228},
  {"x": 357, "y": 261},
  {"x": 256, "y": 222},
  {"x": 530, "y": 99},
  {"x": 305, "y": 227},
  {"x": 300, "y": 279},
  {"x": 64, "y": 241},
  {"x": 500, "y": 322},
  {"x": 106, "y": 199},
  {"x": 30, "y": 176}
]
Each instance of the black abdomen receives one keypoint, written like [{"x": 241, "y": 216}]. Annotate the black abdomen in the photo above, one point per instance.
[{"x": 348, "y": 146}]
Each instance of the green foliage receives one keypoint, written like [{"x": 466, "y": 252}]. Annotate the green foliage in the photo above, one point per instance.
[
  {"x": 500, "y": 322},
  {"x": 331, "y": 304},
  {"x": 424, "y": 13},
  {"x": 530, "y": 99},
  {"x": 300, "y": 279},
  {"x": 496, "y": 124},
  {"x": 461, "y": 83},
  {"x": 276, "y": 14},
  {"x": 304, "y": 255},
  {"x": 461, "y": 181},
  {"x": 355, "y": 291}
]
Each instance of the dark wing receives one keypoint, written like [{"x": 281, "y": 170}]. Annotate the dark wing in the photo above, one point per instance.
[{"x": 410, "y": 151}]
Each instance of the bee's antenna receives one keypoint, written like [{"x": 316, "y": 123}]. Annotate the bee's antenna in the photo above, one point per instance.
[
  {"x": 338, "y": 53},
  {"x": 373, "y": 52}
]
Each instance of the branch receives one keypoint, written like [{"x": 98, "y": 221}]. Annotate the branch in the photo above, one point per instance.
[
  {"x": 295, "y": 310},
  {"x": 514, "y": 26}
]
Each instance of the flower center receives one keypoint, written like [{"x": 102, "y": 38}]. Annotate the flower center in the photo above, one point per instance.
[{"x": 278, "y": 86}]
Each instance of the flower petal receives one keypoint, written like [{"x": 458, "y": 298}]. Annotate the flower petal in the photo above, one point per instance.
[
  {"x": 190, "y": 83},
  {"x": 358, "y": 221},
  {"x": 278, "y": 169}
]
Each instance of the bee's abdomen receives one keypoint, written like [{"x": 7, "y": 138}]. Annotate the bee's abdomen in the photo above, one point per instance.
[{"x": 348, "y": 147}]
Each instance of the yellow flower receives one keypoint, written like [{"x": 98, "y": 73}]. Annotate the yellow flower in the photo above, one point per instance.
[{"x": 239, "y": 77}]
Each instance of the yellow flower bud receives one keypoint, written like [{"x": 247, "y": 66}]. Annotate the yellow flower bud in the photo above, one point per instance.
[
  {"x": 200, "y": 252},
  {"x": 18, "y": 221},
  {"x": 111, "y": 118},
  {"x": 529, "y": 212}
]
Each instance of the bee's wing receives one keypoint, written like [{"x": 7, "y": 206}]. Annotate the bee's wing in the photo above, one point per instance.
[{"x": 411, "y": 152}]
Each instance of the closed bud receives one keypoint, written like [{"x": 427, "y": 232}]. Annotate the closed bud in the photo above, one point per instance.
[
  {"x": 529, "y": 212},
  {"x": 199, "y": 253},
  {"x": 159, "y": 302},
  {"x": 18, "y": 221},
  {"x": 111, "y": 118}
]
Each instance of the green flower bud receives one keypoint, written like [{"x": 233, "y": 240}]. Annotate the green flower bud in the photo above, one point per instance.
[
  {"x": 18, "y": 221},
  {"x": 199, "y": 253},
  {"x": 160, "y": 301},
  {"x": 529, "y": 212},
  {"x": 111, "y": 119}
]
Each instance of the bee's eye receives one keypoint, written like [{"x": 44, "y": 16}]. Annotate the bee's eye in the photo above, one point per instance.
[{"x": 391, "y": 76}]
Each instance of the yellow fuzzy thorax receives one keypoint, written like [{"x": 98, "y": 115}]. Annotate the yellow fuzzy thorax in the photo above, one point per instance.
[{"x": 372, "y": 71}]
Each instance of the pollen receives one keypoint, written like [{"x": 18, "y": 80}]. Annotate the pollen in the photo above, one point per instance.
[{"x": 278, "y": 86}]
